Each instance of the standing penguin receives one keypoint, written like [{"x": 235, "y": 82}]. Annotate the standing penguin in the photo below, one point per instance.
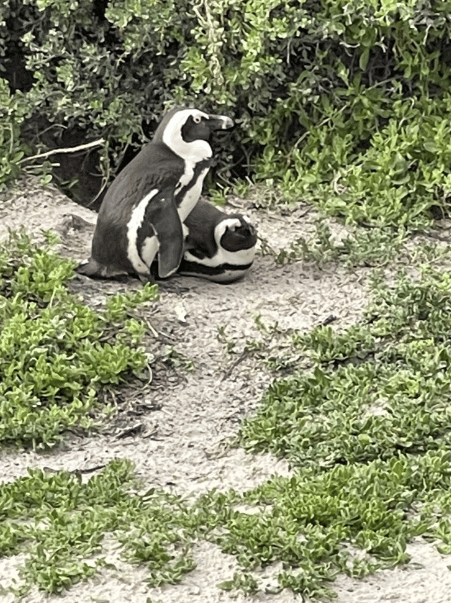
[
  {"x": 218, "y": 246},
  {"x": 144, "y": 208}
]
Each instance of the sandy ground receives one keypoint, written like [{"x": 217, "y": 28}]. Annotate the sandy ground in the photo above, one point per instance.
[{"x": 189, "y": 415}]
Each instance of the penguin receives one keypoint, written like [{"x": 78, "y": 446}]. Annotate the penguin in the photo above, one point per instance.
[
  {"x": 144, "y": 208},
  {"x": 218, "y": 246}
]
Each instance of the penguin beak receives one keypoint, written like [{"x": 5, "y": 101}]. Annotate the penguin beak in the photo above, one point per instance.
[{"x": 219, "y": 122}]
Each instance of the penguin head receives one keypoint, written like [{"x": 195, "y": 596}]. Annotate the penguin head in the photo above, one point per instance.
[
  {"x": 187, "y": 131},
  {"x": 199, "y": 125},
  {"x": 218, "y": 246},
  {"x": 236, "y": 233}
]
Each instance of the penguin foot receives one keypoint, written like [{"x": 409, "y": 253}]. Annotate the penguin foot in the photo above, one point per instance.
[
  {"x": 94, "y": 269},
  {"x": 147, "y": 278}
]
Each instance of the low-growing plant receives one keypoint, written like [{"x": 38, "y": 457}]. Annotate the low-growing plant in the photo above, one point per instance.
[
  {"x": 385, "y": 381},
  {"x": 351, "y": 518},
  {"x": 366, "y": 430},
  {"x": 225, "y": 340},
  {"x": 362, "y": 247},
  {"x": 56, "y": 353},
  {"x": 176, "y": 359},
  {"x": 241, "y": 581},
  {"x": 67, "y": 521}
]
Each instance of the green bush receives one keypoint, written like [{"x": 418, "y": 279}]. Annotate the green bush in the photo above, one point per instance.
[
  {"x": 56, "y": 353},
  {"x": 376, "y": 389},
  {"x": 342, "y": 103}
]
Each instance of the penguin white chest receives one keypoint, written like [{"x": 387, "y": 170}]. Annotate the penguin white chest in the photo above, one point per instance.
[{"x": 192, "y": 193}]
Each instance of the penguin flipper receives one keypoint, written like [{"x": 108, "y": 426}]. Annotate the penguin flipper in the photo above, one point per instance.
[{"x": 166, "y": 222}]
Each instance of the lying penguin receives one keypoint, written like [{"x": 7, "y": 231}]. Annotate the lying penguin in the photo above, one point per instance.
[
  {"x": 144, "y": 208},
  {"x": 218, "y": 246}
]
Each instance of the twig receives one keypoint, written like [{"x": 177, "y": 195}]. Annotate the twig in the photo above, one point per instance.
[
  {"x": 230, "y": 370},
  {"x": 131, "y": 431},
  {"x": 328, "y": 320},
  {"x": 87, "y": 470},
  {"x": 82, "y": 147}
]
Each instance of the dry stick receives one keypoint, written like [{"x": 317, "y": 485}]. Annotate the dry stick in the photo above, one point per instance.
[
  {"x": 82, "y": 147},
  {"x": 229, "y": 371}
]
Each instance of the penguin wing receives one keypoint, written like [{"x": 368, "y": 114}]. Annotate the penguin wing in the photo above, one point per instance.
[
  {"x": 163, "y": 220},
  {"x": 153, "y": 168}
]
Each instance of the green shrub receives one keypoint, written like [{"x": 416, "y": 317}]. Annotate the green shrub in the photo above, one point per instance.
[
  {"x": 12, "y": 149},
  {"x": 56, "y": 353},
  {"x": 343, "y": 103},
  {"x": 376, "y": 389}
]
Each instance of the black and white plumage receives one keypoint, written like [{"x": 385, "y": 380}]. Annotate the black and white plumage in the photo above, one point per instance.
[
  {"x": 144, "y": 208},
  {"x": 218, "y": 246}
]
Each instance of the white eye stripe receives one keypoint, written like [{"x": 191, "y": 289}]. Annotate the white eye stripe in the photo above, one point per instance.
[
  {"x": 228, "y": 223},
  {"x": 195, "y": 151}
]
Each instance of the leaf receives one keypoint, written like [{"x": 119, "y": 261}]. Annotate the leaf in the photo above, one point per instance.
[{"x": 364, "y": 57}]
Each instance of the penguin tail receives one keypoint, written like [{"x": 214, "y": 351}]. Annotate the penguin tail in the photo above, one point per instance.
[{"x": 95, "y": 269}]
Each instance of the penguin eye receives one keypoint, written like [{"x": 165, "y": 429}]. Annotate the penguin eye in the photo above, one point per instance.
[{"x": 197, "y": 119}]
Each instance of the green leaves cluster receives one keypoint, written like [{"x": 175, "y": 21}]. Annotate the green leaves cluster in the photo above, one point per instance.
[
  {"x": 377, "y": 389},
  {"x": 398, "y": 175},
  {"x": 367, "y": 430},
  {"x": 13, "y": 111},
  {"x": 361, "y": 247},
  {"x": 55, "y": 352},
  {"x": 104, "y": 69},
  {"x": 69, "y": 519},
  {"x": 352, "y": 518},
  {"x": 343, "y": 104}
]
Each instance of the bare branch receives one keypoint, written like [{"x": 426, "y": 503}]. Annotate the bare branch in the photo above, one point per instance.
[{"x": 82, "y": 147}]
